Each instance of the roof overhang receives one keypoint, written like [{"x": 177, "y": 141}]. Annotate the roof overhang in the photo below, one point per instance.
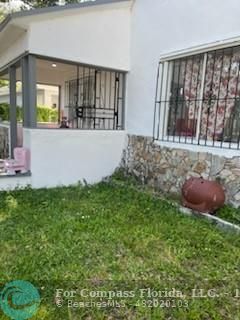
[
  {"x": 21, "y": 16},
  {"x": 15, "y": 26},
  {"x": 10, "y": 35}
]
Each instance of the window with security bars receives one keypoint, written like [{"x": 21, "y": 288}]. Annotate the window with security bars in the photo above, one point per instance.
[{"x": 198, "y": 99}]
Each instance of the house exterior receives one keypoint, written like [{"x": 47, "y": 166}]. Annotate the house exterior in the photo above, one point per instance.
[
  {"x": 46, "y": 95},
  {"x": 153, "y": 86}
]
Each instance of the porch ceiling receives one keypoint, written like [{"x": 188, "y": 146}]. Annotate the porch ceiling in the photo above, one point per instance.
[
  {"x": 47, "y": 74},
  {"x": 54, "y": 73}
]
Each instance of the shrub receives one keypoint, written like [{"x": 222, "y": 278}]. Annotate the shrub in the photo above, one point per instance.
[
  {"x": 44, "y": 113},
  {"x": 4, "y": 111}
]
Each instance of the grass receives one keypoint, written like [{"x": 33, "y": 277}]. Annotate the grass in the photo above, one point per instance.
[
  {"x": 112, "y": 237},
  {"x": 230, "y": 214}
]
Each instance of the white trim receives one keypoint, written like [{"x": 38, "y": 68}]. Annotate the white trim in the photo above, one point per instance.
[
  {"x": 163, "y": 98},
  {"x": 222, "y": 152},
  {"x": 220, "y": 44},
  {"x": 167, "y": 97},
  {"x": 201, "y": 96}
]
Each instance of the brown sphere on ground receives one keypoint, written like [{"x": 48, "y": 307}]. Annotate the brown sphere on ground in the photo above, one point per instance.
[{"x": 202, "y": 195}]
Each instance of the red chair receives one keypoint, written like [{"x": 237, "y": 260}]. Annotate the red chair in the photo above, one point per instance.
[{"x": 186, "y": 127}]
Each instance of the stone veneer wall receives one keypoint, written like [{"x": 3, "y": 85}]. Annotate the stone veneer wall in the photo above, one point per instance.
[
  {"x": 4, "y": 143},
  {"x": 166, "y": 169}
]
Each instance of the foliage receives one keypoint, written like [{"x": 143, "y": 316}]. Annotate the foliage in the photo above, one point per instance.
[
  {"x": 44, "y": 113},
  {"x": 117, "y": 237},
  {"x": 45, "y": 3},
  {"x": 3, "y": 83},
  {"x": 4, "y": 112},
  {"x": 31, "y": 4},
  {"x": 28, "y": 4},
  {"x": 1, "y": 16}
]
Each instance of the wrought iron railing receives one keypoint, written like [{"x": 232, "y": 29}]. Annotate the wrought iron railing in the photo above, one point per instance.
[{"x": 96, "y": 99}]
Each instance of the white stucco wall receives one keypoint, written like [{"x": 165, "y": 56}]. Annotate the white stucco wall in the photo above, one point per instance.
[
  {"x": 11, "y": 183},
  {"x": 163, "y": 26},
  {"x": 64, "y": 157},
  {"x": 45, "y": 96},
  {"x": 95, "y": 36}
]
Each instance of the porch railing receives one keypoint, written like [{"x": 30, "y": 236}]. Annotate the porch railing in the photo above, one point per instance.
[{"x": 95, "y": 99}]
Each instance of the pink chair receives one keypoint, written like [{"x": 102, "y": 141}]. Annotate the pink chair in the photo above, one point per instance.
[{"x": 20, "y": 163}]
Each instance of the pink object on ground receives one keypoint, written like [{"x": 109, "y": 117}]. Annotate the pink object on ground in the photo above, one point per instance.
[{"x": 21, "y": 161}]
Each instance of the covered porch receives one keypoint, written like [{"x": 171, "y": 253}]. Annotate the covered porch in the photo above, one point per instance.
[
  {"x": 82, "y": 53},
  {"x": 85, "y": 126}
]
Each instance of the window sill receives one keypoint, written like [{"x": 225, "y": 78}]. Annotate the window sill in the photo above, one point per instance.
[{"x": 191, "y": 145}]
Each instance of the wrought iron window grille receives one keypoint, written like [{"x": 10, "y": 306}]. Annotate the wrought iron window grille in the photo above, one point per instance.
[{"x": 198, "y": 100}]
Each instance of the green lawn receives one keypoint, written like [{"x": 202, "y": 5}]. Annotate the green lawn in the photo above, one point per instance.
[
  {"x": 113, "y": 237},
  {"x": 230, "y": 214}
]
